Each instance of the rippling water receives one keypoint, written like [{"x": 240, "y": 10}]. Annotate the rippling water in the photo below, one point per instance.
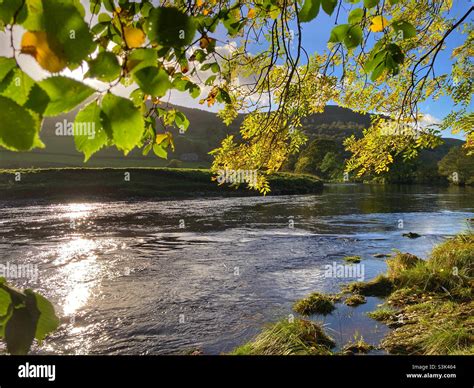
[{"x": 171, "y": 276}]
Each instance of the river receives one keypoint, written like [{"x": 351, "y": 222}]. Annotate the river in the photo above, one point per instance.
[{"x": 167, "y": 277}]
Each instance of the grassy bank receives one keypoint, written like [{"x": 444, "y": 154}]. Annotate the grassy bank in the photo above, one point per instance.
[
  {"x": 122, "y": 183},
  {"x": 428, "y": 305}
]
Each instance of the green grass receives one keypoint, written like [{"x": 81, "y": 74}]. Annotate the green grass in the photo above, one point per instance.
[
  {"x": 80, "y": 183},
  {"x": 295, "y": 337},
  {"x": 433, "y": 300},
  {"x": 357, "y": 346},
  {"x": 314, "y": 303},
  {"x": 355, "y": 300},
  {"x": 383, "y": 314},
  {"x": 352, "y": 259},
  {"x": 380, "y": 286}
]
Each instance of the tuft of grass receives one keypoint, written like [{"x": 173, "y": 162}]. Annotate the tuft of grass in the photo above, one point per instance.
[
  {"x": 353, "y": 259},
  {"x": 296, "y": 337},
  {"x": 379, "y": 286},
  {"x": 401, "y": 262},
  {"x": 383, "y": 314},
  {"x": 314, "y": 303},
  {"x": 355, "y": 300},
  {"x": 357, "y": 345}
]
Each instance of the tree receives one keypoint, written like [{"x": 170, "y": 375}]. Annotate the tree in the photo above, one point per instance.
[
  {"x": 457, "y": 166},
  {"x": 381, "y": 57}
]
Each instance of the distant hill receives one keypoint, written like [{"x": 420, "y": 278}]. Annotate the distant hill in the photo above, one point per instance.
[{"x": 205, "y": 133}]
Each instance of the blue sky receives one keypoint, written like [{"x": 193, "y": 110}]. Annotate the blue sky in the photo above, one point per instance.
[{"x": 316, "y": 33}]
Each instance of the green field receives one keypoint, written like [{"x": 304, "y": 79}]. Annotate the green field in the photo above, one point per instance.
[{"x": 126, "y": 183}]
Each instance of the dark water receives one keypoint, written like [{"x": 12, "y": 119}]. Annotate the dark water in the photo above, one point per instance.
[{"x": 169, "y": 276}]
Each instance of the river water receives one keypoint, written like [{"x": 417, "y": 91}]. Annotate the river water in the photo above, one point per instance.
[{"x": 166, "y": 277}]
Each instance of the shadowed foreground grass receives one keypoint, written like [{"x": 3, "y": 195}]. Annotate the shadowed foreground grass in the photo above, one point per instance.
[{"x": 124, "y": 183}]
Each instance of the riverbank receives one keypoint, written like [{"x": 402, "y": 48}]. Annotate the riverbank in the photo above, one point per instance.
[
  {"x": 428, "y": 304},
  {"x": 127, "y": 183}
]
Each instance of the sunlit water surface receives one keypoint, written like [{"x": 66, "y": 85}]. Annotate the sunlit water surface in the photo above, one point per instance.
[{"x": 162, "y": 277}]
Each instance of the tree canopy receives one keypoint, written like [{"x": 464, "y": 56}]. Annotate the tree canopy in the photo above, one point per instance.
[{"x": 246, "y": 56}]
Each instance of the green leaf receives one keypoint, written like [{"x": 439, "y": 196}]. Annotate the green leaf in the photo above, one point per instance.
[
  {"x": 64, "y": 94},
  {"x": 17, "y": 86},
  {"x": 38, "y": 100},
  {"x": 73, "y": 39},
  {"x": 6, "y": 64},
  {"x": 329, "y": 6},
  {"x": 141, "y": 58},
  {"x": 5, "y": 300},
  {"x": 353, "y": 37},
  {"x": 309, "y": 10},
  {"x": 47, "y": 321},
  {"x": 32, "y": 15},
  {"x": 88, "y": 119},
  {"x": 356, "y": 15},
  {"x": 8, "y": 8},
  {"x": 160, "y": 151},
  {"x": 20, "y": 331},
  {"x": 18, "y": 127},
  {"x": 152, "y": 80},
  {"x": 170, "y": 27},
  {"x": 181, "y": 121},
  {"x": 338, "y": 33},
  {"x": 370, "y": 3},
  {"x": 123, "y": 122},
  {"x": 406, "y": 28},
  {"x": 104, "y": 67}
]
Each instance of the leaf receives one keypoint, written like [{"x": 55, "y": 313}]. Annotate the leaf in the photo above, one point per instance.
[
  {"x": 18, "y": 127},
  {"x": 89, "y": 120},
  {"x": 353, "y": 37},
  {"x": 309, "y": 10},
  {"x": 181, "y": 121},
  {"x": 134, "y": 37},
  {"x": 8, "y": 8},
  {"x": 356, "y": 15},
  {"x": 370, "y": 3},
  {"x": 123, "y": 122},
  {"x": 17, "y": 86},
  {"x": 64, "y": 21},
  {"x": 160, "y": 151},
  {"x": 104, "y": 67},
  {"x": 152, "y": 80},
  {"x": 407, "y": 29},
  {"x": 47, "y": 321},
  {"x": 64, "y": 94},
  {"x": 20, "y": 331},
  {"x": 6, "y": 64},
  {"x": 38, "y": 100},
  {"x": 378, "y": 23},
  {"x": 31, "y": 15},
  {"x": 39, "y": 46},
  {"x": 5, "y": 300},
  {"x": 170, "y": 27},
  {"x": 339, "y": 33},
  {"x": 329, "y": 6},
  {"x": 141, "y": 58}
]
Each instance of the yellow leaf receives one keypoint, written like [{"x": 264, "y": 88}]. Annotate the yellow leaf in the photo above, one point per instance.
[
  {"x": 134, "y": 37},
  {"x": 160, "y": 138},
  {"x": 200, "y": 3},
  {"x": 378, "y": 24},
  {"x": 36, "y": 44},
  {"x": 251, "y": 13}
]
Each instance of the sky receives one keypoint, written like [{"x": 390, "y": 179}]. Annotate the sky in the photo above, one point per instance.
[{"x": 315, "y": 35}]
